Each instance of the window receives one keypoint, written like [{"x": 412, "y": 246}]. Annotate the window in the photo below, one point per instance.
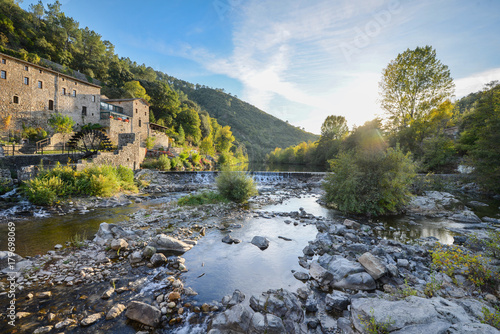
[
  {"x": 64, "y": 91},
  {"x": 51, "y": 105},
  {"x": 15, "y": 99},
  {"x": 136, "y": 111},
  {"x": 40, "y": 84},
  {"x": 74, "y": 93},
  {"x": 84, "y": 111},
  {"x": 3, "y": 74},
  {"x": 25, "y": 68},
  {"x": 41, "y": 71},
  {"x": 93, "y": 98},
  {"x": 4, "y": 61},
  {"x": 145, "y": 114},
  {"x": 139, "y": 123},
  {"x": 26, "y": 80}
]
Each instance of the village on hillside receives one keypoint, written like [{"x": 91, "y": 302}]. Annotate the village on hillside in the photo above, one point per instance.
[{"x": 30, "y": 94}]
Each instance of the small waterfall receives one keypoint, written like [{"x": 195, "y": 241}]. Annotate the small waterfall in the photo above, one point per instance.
[{"x": 9, "y": 194}]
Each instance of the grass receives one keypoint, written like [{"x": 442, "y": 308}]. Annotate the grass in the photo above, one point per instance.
[
  {"x": 78, "y": 240},
  {"x": 205, "y": 197}
]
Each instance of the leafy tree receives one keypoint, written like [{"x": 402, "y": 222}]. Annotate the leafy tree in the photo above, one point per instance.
[
  {"x": 134, "y": 89},
  {"x": 224, "y": 139},
  {"x": 207, "y": 146},
  {"x": 481, "y": 137},
  {"x": 190, "y": 122},
  {"x": 334, "y": 127},
  {"x": 413, "y": 84},
  {"x": 371, "y": 182},
  {"x": 61, "y": 124}
]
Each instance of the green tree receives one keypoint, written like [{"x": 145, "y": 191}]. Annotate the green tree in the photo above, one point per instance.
[
  {"x": 61, "y": 124},
  {"x": 224, "y": 139},
  {"x": 190, "y": 122},
  {"x": 334, "y": 127},
  {"x": 134, "y": 89},
  {"x": 481, "y": 137},
  {"x": 413, "y": 84}
]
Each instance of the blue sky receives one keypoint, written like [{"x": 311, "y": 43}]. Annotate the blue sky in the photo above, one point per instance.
[{"x": 299, "y": 60}]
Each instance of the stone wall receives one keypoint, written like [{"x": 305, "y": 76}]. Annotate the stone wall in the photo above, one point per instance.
[
  {"x": 16, "y": 162},
  {"x": 130, "y": 153},
  {"x": 161, "y": 140},
  {"x": 31, "y": 93},
  {"x": 115, "y": 127}
]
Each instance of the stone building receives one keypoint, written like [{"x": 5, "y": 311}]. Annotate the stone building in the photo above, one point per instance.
[{"x": 30, "y": 93}]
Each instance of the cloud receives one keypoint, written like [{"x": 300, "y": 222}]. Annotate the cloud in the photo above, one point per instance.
[{"x": 475, "y": 82}]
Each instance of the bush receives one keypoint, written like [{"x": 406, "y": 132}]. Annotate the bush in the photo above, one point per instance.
[
  {"x": 236, "y": 186},
  {"x": 372, "y": 182},
  {"x": 62, "y": 182},
  {"x": 438, "y": 152},
  {"x": 453, "y": 259},
  {"x": 164, "y": 162},
  {"x": 175, "y": 163}
]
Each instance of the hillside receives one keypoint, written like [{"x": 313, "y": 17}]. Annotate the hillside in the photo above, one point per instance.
[
  {"x": 260, "y": 132},
  {"x": 45, "y": 35}
]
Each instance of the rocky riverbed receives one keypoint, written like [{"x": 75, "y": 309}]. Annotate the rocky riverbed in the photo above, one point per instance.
[{"x": 130, "y": 277}]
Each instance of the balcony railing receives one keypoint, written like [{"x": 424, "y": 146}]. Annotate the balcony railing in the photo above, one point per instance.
[{"x": 109, "y": 107}]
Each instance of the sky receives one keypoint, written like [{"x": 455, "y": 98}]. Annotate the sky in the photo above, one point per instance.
[{"x": 299, "y": 60}]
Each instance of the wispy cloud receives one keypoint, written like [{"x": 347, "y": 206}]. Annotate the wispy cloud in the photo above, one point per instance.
[{"x": 475, "y": 82}]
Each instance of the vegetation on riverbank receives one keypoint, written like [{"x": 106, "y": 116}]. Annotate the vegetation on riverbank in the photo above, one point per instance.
[{"x": 51, "y": 186}]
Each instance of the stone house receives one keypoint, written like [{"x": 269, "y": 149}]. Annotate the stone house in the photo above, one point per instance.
[{"x": 30, "y": 93}]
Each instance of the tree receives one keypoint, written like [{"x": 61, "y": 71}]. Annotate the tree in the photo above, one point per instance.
[
  {"x": 134, "y": 89},
  {"x": 61, "y": 124},
  {"x": 190, "y": 122},
  {"x": 412, "y": 85},
  {"x": 224, "y": 139},
  {"x": 334, "y": 127},
  {"x": 481, "y": 137},
  {"x": 370, "y": 181}
]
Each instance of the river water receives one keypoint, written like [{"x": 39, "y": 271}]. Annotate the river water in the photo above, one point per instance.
[{"x": 216, "y": 269}]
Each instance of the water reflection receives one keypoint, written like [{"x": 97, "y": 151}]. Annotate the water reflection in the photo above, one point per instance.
[{"x": 217, "y": 269}]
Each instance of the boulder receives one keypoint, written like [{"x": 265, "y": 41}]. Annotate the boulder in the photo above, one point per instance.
[
  {"x": 339, "y": 266},
  {"x": 115, "y": 311},
  {"x": 148, "y": 252},
  {"x": 87, "y": 321},
  {"x": 143, "y": 313},
  {"x": 466, "y": 216},
  {"x": 164, "y": 243},
  {"x": 351, "y": 224},
  {"x": 373, "y": 265},
  {"x": 419, "y": 315},
  {"x": 158, "y": 259},
  {"x": 337, "y": 301},
  {"x": 117, "y": 244},
  {"x": 357, "y": 281},
  {"x": 135, "y": 257},
  {"x": 260, "y": 242},
  {"x": 236, "y": 298},
  {"x": 235, "y": 319}
]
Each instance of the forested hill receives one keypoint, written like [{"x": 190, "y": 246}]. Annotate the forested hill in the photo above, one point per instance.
[
  {"x": 260, "y": 132},
  {"x": 44, "y": 33}
]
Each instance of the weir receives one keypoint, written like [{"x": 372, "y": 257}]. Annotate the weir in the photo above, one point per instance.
[{"x": 260, "y": 177}]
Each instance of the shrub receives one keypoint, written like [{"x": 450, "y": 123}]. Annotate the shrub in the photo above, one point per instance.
[
  {"x": 438, "y": 152},
  {"x": 372, "y": 182},
  {"x": 184, "y": 155},
  {"x": 196, "y": 158},
  {"x": 491, "y": 318},
  {"x": 452, "y": 259},
  {"x": 150, "y": 142},
  {"x": 206, "y": 197},
  {"x": 373, "y": 327},
  {"x": 164, "y": 162},
  {"x": 175, "y": 162},
  {"x": 62, "y": 182},
  {"x": 236, "y": 186}
]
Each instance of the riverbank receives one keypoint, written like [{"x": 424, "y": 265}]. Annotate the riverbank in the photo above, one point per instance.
[{"x": 347, "y": 275}]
